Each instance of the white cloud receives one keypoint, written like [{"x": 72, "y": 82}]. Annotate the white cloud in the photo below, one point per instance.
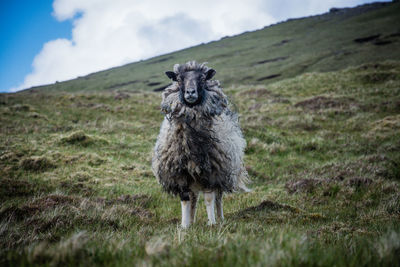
[{"x": 109, "y": 33}]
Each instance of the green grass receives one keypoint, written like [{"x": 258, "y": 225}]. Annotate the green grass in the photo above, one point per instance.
[{"x": 323, "y": 153}]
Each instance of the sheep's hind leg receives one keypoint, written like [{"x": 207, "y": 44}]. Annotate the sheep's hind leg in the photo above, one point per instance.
[
  {"x": 186, "y": 209},
  {"x": 193, "y": 204},
  {"x": 218, "y": 203},
  {"x": 209, "y": 199}
]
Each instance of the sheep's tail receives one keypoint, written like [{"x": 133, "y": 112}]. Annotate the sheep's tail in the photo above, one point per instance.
[{"x": 243, "y": 180}]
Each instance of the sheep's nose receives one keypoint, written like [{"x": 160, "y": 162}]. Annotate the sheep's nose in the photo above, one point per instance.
[{"x": 191, "y": 91}]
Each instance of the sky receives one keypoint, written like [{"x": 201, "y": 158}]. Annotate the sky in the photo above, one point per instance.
[{"x": 56, "y": 40}]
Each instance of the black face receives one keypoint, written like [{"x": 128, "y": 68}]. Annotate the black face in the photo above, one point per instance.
[{"x": 192, "y": 85}]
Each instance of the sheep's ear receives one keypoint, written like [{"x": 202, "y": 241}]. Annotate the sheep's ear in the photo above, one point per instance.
[
  {"x": 210, "y": 73},
  {"x": 171, "y": 75}
]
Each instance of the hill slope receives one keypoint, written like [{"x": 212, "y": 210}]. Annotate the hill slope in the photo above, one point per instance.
[
  {"x": 332, "y": 41},
  {"x": 76, "y": 186}
]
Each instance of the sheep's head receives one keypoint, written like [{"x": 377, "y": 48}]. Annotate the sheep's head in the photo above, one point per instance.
[{"x": 192, "y": 81}]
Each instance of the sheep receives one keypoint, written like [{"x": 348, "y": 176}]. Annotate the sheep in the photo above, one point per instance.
[{"x": 200, "y": 145}]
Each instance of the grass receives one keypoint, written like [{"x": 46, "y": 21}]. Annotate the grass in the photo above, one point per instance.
[{"x": 76, "y": 186}]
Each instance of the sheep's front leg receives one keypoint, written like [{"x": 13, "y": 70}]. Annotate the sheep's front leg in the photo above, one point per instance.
[
  {"x": 185, "y": 213},
  {"x": 218, "y": 202},
  {"x": 193, "y": 204},
  {"x": 209, "y": 199},
  {"x": 186, "y": 209}
]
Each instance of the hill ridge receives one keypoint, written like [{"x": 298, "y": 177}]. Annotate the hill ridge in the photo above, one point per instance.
[{"x": 263, "y": 56}]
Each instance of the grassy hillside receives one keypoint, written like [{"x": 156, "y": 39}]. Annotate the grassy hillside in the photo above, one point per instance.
[
  {"x": 328, "y": 42},
  {"x": 323, "y": 153}
]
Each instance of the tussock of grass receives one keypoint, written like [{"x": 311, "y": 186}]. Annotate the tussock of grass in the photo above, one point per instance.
[
  {"x": 78, "y": 187},
  {"x": 11, "y": 187},
  {"x": 378, "y": 77},
  {"x": 37, "y": 163},
  {"x": 82, "y": 139},
  {"x": 67, "y": 250},
  {"x": 21, "y": 107},
  {"x": 35, "y": 115},
  {"x": 323, "y": 102},
  {"x": 94, "y": 159},
  {"x": 157, "y": 246},
  {"x": 11, "y": 156},
  {"x": 265, "y": 206},
  {"x": 386, "y": 126},
  {"x": 81, "y": 176},
  {"x": 302, "y": 185},
  {"x": 140, "y": 199}
]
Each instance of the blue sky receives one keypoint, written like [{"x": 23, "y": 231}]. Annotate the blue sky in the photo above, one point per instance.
[
  {"x": 24, "y": 27},
  {"x": 54, "y": 40}
]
